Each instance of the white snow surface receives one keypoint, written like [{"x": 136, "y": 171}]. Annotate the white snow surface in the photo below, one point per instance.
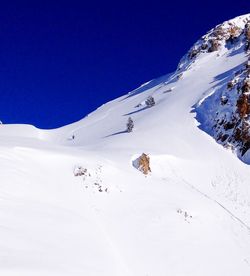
[{"x": 189, "y": 217}]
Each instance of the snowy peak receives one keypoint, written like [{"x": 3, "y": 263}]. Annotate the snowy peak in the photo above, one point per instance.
[{"x": 220, "y": 39}]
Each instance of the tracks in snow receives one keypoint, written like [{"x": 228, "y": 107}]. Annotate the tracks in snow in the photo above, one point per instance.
[{"x": 247, "y": 227}]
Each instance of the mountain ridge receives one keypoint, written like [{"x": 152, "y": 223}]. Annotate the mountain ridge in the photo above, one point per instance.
[{"x": 74, "y": 201}]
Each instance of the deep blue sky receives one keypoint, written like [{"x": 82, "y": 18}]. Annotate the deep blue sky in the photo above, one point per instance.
[{"x": 59, "y": 60}]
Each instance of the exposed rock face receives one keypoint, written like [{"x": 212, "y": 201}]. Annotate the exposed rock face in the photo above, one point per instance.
[
  {"x": 214, "y": 45},
  {"x": 247, "y": 31},
  {"x": 234, "y": 32},
  {"x": 243, "y": 106},
  {"x": 232, "y": 128},
  {"x": 223, "y": 35},
  {"x": 247, "y": 34},
  {"x": 231, "y": 125},
  {"x": 230, "y": 115},
  {"x": 142, "y": 163}
]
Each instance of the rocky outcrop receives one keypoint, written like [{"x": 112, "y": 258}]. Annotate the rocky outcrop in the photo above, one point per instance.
[
  {"x": 247, "y": 34},
  {"x": 231, "y": 125},
  {"x": 222, "y": 36},
  {"x": 142, "y": 163},
  {"x": 243, "y": 106},
  {"x": 225, "y": 114}
]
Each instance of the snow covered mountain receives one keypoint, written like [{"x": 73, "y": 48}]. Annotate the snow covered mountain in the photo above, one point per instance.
[{"x": 78, "y": 200}]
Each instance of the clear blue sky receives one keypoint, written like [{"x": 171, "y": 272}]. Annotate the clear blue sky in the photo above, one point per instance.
[{"x": 60, "y": 60}]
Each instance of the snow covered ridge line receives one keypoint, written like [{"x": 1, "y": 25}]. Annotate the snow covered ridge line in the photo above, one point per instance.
[{"x": 222, "y": 36}]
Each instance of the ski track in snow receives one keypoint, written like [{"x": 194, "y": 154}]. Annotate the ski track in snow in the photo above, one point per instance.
[{"x": 219, "y": 204}]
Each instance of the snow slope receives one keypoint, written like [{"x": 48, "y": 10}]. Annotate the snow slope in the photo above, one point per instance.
[{"x": 189, "y": 216}]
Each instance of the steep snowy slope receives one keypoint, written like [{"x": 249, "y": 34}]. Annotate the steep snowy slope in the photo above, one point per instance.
[{"x": 189, "y": 216}]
